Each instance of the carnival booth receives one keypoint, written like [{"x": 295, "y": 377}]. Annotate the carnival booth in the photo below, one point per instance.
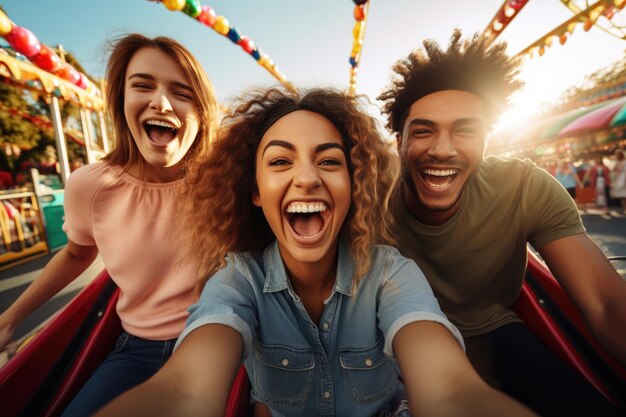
[{"x": 48, "y": 99}]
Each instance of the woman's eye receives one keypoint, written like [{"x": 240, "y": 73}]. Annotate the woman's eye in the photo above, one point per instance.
[
  {"x": 141, "y": 85},
  {"x": 328, "y": 162},
  {"x": 183, "y": 95},
  {"x": 278, "y": 162}
]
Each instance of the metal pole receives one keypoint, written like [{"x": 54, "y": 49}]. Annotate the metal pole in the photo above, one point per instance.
[
  {"x": 103, "y": 132},
  {"x": 59, "y": 136},
  {"x": 86, "y": 134}
]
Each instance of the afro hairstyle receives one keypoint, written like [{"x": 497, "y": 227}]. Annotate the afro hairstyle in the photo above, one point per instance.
[{"x": 468, "y": 65}]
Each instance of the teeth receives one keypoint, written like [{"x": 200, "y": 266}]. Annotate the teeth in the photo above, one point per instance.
[
  {"x": 302, "y": 207},
  {"x": 439, "y": 186},
  {"x": 440, "y": 172},
  {"x": 161, "y": 123}
]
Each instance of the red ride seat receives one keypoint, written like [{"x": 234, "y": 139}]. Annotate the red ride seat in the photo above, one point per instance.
[
  {"x": 44, "y": 376},
  {"x": 549, "y": 314}
]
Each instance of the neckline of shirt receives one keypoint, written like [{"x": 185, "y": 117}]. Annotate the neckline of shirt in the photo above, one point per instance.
[{"x": 123, "y": 174}]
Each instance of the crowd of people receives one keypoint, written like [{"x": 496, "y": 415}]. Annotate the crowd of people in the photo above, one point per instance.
[
  {"x": 348, "y": 278},
  {"x": 593, "y": 183}
]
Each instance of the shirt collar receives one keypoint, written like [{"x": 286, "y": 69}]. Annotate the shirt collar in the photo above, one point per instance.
[{"x": 276, "y": 274}]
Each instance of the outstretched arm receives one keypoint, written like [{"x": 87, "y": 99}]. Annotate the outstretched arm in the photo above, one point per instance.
[
  {"x": 62, "y": 269},
  {"x": 195, "y": 381},
  {"x": 594, "y": 286},
  {"x": 440, "y": 379}
]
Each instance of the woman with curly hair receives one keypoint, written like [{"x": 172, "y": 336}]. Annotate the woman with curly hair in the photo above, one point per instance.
[{"x": 291, "y": 206}]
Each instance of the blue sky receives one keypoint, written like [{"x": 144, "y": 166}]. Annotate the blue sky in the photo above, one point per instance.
[{"x": 311, "y": 41}]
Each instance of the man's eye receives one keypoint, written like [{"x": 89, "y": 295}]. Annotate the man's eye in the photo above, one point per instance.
[
  {"x": 466, "y": 131},
  {"x": 420, "y": 132}
]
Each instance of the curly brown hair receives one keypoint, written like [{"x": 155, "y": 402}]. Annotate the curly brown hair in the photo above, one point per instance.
[
  {"x": 218, "y": 213},
  {"x": 468, "y": 65},
  {"x": 125, "y": 152}
]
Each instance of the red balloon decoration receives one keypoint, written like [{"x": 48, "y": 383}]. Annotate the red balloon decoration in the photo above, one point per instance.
[
  {"x": 517, "y": 4},
  {"x": 23, "y": 41},
  {"x": 246, "y": 44},
  {"x": 359, "y": 13},
  {"x": 46, "y": 59},
  {"x": 82, "y": 81},
  {"x": 207, "y": 16},
  {"x": 69, "y": 73}
]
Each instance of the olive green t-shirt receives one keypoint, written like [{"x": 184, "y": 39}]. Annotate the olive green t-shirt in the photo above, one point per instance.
[{"x": 476, "y": 261}]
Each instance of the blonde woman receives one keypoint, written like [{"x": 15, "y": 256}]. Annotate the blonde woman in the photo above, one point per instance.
[{"x": 163, "y": 109}]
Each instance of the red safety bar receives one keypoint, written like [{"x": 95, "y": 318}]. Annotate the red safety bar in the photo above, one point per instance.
[{"x": 24, "y": 377}]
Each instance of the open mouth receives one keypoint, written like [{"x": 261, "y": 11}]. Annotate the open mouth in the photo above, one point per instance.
[
  {"x": 307, "y": 218},
  {"x": 160, "y": 132},
  {"x": 439, "y": 179}
]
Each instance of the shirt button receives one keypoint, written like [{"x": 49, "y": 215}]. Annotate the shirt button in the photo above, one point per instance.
[
  {"x": 325, "y": 326},
  {"x": 327, "y": 394},
  {"x": 285, "y": 362},
  {"x": 368, "y": 362}
]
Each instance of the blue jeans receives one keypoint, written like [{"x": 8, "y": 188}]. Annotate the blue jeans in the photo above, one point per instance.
[{"x": 133, "y": 361}]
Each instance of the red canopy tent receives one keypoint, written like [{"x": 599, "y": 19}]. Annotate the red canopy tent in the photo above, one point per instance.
[{"x": 598, "y": 119}]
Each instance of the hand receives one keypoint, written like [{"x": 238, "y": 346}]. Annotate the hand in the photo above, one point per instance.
[
  {"x": 6, "y": 332},
  {"x": 8, "y": 346}
]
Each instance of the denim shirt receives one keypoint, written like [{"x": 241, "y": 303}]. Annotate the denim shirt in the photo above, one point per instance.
[{"x": 341, "y": 366}]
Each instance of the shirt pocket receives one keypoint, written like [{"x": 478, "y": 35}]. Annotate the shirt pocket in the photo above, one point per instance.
[
  {"x": 369, "y": 372},
  {"x": 283, "y": 375}
]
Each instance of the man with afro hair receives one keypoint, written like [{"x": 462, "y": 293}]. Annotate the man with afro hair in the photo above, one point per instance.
[{"x": 466, "y": 219}]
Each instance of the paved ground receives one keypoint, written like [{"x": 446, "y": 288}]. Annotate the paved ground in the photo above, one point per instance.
[
  {"x": 609, "y": 232},
  {"x": 15, "y": 280}
]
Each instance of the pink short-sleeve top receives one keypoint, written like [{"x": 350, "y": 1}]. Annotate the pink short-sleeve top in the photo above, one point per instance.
[{"x": 133, "y": 224}]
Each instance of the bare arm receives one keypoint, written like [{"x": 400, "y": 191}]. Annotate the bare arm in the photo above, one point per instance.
[
  {"x": 440, "y": 379},
  {"x": 580, "y": 183},
  {"x": 195, "y": 381},
  {"x": 62, "y": 269},
  {"x": 594, "y": 286}
]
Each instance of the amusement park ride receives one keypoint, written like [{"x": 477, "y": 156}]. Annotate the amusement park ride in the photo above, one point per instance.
[
  {"x": 51, "y": 365},
  {"x": 31, "y": 219}
]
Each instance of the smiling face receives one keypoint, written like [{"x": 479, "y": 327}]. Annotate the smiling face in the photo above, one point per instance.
[
  {"x": 441, "y": 146},
  {"x": 161, "y": 113},
  {"x": 303, "y": 188}
]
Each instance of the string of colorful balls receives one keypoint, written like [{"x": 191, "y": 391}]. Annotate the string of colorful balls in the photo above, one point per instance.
[
  {"x": 26, "y": 43},
  {"x": 358, "y": 33},
  {"x": 207, "y": 16}
]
